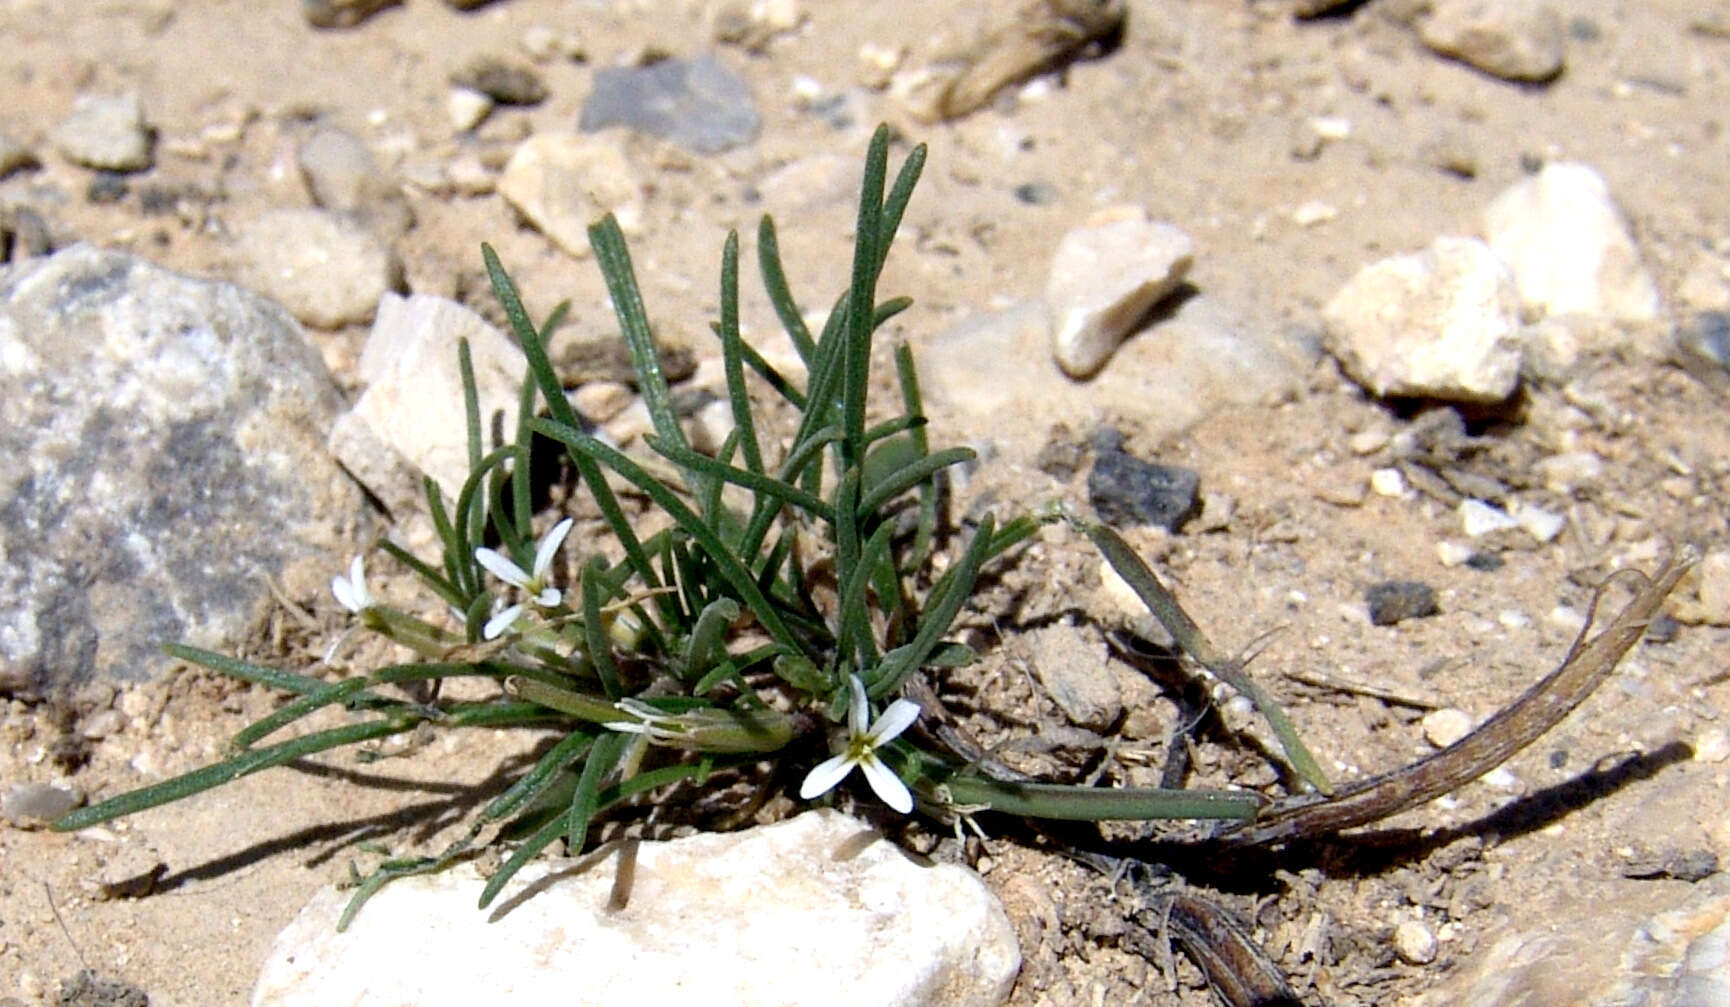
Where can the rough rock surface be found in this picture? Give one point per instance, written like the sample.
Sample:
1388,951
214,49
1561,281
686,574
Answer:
326,270
1569,246
562,182
1443,323
414,394
696,103
161,454
774,915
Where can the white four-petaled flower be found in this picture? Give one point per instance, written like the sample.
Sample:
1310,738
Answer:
350,591
533,582
862,746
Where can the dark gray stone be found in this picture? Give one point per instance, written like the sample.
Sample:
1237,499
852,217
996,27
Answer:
1125,490
161,455
1397,600
696,103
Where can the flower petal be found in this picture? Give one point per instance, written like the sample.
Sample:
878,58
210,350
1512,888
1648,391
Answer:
550,547
859,709
887,785
501,622
549,597
357,573
500,567
339,587
891,722
823,778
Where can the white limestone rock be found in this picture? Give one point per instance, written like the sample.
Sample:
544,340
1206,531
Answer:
563,182
1569,246
1104,278
414,393
1441,323
819,907
324,268
1518,40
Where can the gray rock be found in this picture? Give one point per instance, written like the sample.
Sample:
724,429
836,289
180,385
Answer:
562,182
1569,246
1074,672
33,805
1396,601
341,13
696,103
161,454
1125,490
1441,323
764,916
1512,39
14,156
501,80
343,177
106,132
327,270
414,394
1104,278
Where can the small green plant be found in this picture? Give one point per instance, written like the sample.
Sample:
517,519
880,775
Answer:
791,590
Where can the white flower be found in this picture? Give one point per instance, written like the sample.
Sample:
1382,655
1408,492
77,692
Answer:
501,622
533,583
350,591
862,746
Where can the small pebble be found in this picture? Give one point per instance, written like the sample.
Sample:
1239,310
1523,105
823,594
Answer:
1503,778
1541,524
1313,212
543,43
1125,490
1388,482
1367,442
501,80
467,108
1563,473
600,401
106,132
1414,943
1394,601
1712,746
32,805
1452,553
1036,193
1446,726
1478,518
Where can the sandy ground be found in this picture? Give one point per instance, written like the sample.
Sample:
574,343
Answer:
1194,116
